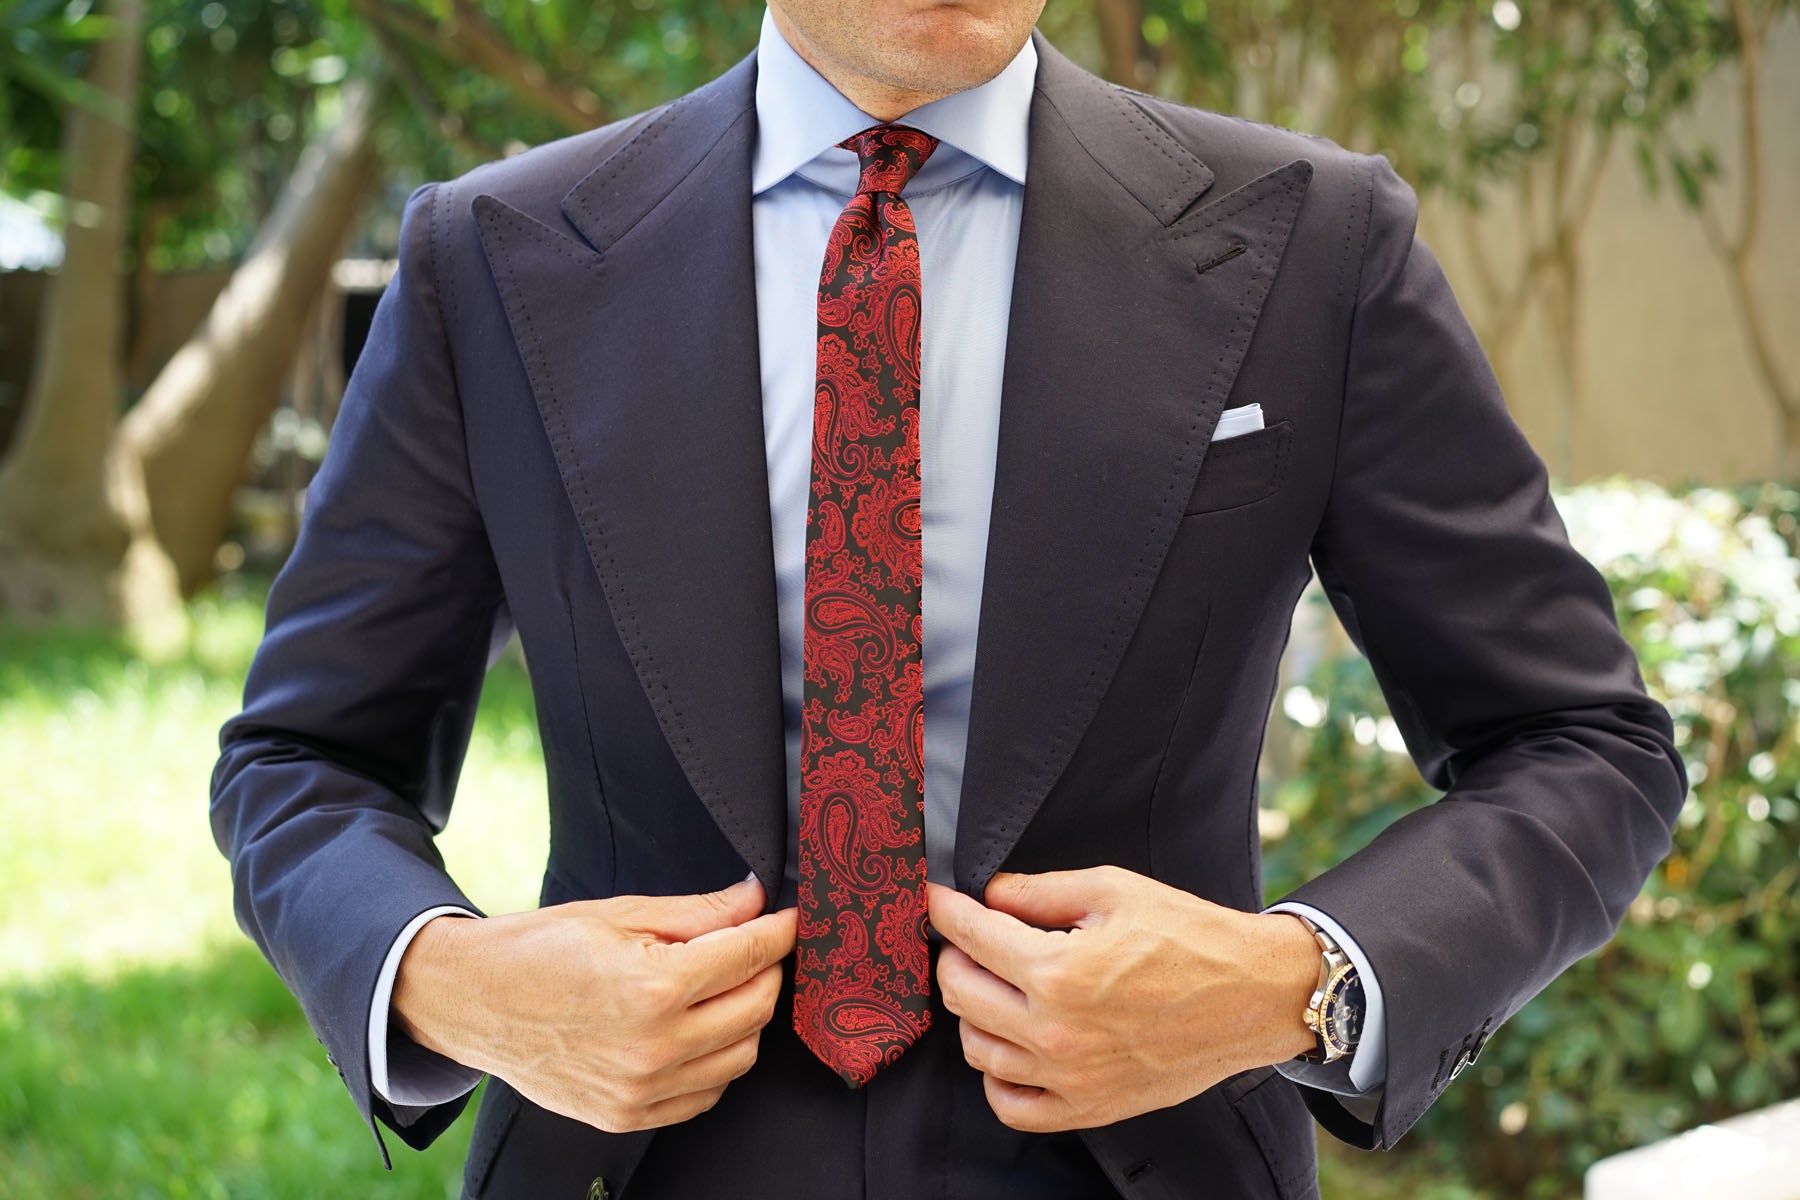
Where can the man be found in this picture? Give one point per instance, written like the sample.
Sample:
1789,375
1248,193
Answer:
1129,367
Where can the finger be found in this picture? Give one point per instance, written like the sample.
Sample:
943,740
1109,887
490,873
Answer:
730,1016
1058,899
677,1109
996,1056
719,961
980,996
709,1071
682,918
999,942
1028,1109
587,1106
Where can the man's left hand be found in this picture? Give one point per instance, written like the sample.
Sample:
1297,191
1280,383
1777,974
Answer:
1090,996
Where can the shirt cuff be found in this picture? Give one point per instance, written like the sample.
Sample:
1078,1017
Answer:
1363,1071
404,1073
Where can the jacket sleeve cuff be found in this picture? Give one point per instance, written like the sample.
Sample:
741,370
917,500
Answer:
402,1072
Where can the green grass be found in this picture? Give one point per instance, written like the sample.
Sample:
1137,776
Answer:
189,1081
146,1050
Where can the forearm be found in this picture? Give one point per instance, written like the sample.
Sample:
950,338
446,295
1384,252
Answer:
441,999
408,1076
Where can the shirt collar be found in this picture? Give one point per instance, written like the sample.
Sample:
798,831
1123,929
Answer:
800,119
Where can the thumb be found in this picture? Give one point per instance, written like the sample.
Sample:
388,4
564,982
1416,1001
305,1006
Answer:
683,918
1056,899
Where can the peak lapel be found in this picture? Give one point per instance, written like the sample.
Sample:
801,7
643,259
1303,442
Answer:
641,349
1132,310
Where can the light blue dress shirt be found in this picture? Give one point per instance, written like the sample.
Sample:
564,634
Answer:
966,203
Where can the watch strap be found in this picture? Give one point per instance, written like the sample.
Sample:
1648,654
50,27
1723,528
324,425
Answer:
1333,961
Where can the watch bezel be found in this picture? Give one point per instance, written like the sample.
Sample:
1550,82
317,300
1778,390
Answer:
1331,998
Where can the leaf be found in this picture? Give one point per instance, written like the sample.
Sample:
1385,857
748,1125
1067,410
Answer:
1648,167
1681,1020
1687,182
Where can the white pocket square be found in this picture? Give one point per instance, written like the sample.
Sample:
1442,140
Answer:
1235,422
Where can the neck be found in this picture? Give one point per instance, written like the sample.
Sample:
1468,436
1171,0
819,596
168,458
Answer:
883,101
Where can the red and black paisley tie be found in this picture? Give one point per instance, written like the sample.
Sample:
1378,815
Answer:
862,980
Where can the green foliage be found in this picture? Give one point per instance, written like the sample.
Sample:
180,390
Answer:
232,91
43,48
612,59
1693,1011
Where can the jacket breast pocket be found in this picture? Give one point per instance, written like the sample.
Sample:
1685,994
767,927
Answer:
1242,470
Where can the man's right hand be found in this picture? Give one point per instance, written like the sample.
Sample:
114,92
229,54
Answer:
628,1013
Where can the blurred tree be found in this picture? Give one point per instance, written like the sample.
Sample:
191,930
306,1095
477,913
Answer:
74,520
220,138
194,427
1740,249
103,520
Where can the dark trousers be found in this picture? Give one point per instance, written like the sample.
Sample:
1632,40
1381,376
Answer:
921,1130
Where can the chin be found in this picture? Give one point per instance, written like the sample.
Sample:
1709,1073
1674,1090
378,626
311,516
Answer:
951,47
917,45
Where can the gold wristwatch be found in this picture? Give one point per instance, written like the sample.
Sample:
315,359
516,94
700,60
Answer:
1335,1011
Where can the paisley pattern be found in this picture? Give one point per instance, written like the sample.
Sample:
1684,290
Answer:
862,976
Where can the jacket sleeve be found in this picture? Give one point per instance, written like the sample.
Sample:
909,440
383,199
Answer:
333,780
1499,653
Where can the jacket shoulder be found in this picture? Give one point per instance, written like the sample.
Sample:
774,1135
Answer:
534,181
1238,149
1349,197
631,161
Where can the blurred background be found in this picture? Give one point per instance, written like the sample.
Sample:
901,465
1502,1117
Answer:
198,208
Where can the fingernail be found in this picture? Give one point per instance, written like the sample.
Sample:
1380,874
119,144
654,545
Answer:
750,878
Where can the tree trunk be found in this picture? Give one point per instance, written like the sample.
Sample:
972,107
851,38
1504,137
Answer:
74,539
194,428
1787,465
1742,253
1122,39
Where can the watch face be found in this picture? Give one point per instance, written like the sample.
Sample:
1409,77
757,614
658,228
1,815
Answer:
1342,1011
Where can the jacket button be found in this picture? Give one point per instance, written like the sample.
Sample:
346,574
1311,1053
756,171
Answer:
597,1190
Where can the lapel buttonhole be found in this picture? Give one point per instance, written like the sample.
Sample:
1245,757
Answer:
1221,258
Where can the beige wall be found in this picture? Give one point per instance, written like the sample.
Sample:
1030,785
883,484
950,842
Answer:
1670,390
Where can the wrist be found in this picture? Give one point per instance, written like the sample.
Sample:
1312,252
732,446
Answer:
1292,973
435,998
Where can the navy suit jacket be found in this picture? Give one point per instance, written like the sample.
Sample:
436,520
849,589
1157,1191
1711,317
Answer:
556,429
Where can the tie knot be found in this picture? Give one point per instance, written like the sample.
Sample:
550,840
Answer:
890,155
